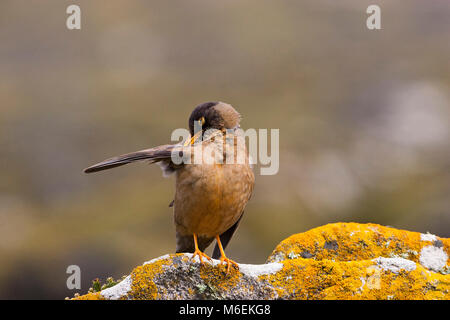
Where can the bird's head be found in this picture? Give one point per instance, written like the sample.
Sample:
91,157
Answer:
212,115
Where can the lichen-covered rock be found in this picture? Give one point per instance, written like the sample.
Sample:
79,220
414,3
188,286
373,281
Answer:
336,261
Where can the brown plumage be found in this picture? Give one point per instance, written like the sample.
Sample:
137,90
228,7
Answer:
210,196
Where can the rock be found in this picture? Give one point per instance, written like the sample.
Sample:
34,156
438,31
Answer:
335,261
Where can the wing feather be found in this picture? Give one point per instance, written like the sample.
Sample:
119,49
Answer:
156,154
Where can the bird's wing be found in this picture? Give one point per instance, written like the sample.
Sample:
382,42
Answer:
160,153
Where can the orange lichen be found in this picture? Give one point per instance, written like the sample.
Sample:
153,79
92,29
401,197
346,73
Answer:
310,279
346,250
143,286
217,275
90,296
353,241
336,261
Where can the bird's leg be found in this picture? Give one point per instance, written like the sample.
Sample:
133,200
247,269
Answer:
223,257
197,251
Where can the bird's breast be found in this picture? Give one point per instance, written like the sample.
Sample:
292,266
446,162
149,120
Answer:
210,198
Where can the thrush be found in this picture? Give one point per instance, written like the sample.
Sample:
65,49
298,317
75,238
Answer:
210,196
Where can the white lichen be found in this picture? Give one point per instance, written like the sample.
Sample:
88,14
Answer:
433,258
256,270
119,290
363,283
395,264
292,255
427,237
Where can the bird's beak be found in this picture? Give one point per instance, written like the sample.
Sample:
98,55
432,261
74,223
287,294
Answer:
192,140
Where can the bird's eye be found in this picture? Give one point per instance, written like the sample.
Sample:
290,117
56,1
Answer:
201,120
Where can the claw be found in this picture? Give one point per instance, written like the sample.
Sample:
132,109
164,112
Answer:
198,253
229,263
224,258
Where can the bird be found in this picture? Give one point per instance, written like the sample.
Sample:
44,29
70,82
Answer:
210,196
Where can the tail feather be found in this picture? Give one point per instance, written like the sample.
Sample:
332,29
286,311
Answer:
153,154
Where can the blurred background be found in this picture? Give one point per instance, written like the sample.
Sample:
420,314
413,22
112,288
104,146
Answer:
363,118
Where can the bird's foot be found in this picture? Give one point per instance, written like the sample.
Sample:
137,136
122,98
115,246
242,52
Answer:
229,263
200,255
